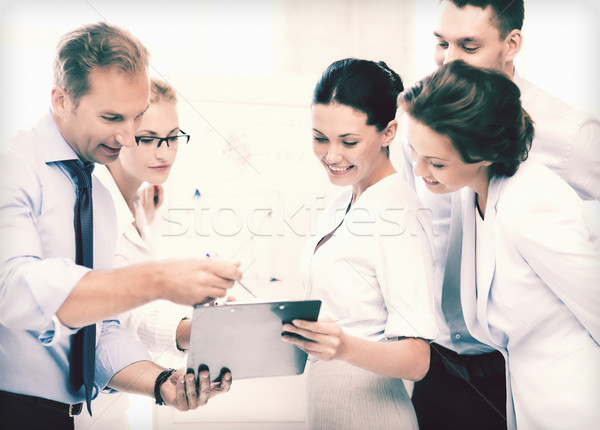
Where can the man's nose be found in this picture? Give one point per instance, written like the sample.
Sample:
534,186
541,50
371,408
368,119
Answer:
452,54
126,136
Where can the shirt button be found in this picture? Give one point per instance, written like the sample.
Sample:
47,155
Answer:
457,335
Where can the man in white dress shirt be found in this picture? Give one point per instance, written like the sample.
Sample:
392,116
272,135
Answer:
465,387
101,91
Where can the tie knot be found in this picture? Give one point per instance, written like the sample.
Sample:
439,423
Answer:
82,172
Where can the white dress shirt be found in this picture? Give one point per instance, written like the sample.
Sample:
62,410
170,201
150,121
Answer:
38,272
374,275
566,140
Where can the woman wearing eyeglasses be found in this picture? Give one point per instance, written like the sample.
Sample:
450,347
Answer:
161,325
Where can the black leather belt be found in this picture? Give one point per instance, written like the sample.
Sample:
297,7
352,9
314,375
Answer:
39,402
469,366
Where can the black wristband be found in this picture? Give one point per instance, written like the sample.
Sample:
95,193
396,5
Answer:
160,379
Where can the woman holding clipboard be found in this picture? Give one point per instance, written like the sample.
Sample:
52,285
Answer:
370,262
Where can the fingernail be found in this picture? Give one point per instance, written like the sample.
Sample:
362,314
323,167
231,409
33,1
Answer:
190,377
204,375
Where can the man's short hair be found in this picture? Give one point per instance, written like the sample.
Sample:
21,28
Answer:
96,45
508,14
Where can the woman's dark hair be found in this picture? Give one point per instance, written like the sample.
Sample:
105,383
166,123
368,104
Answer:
364,85
479,110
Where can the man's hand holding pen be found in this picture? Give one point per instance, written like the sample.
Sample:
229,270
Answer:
194,280
229,298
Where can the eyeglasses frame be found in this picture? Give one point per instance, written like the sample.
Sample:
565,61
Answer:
162,139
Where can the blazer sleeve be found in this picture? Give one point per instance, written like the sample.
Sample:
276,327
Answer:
559,240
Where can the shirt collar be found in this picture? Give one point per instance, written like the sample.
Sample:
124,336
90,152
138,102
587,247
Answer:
54,146
517,79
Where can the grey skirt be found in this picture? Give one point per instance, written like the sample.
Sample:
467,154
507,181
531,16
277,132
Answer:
342,396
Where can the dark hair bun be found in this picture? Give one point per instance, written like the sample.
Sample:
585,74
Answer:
363,85
396,79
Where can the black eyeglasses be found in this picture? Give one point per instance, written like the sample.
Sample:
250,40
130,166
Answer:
154,141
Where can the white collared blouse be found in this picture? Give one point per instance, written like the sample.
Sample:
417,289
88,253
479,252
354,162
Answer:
374,276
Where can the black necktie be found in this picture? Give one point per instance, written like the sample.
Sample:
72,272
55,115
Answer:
83,343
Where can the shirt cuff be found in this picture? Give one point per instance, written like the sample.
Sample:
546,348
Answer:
411,325
52,281
54,334
115,351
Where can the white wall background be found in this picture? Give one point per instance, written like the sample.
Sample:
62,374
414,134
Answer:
245,71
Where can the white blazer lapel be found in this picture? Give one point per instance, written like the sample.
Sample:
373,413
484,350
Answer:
468,280
486,266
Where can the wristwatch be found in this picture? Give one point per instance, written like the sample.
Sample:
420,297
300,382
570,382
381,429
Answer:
161,379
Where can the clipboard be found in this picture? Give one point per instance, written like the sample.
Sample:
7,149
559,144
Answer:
246,338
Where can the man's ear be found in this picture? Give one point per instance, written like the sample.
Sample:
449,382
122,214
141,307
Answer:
60,101
390,132
514,42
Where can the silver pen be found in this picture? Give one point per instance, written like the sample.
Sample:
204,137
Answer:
247,289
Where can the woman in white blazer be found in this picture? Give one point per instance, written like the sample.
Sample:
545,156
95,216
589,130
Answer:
530,275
